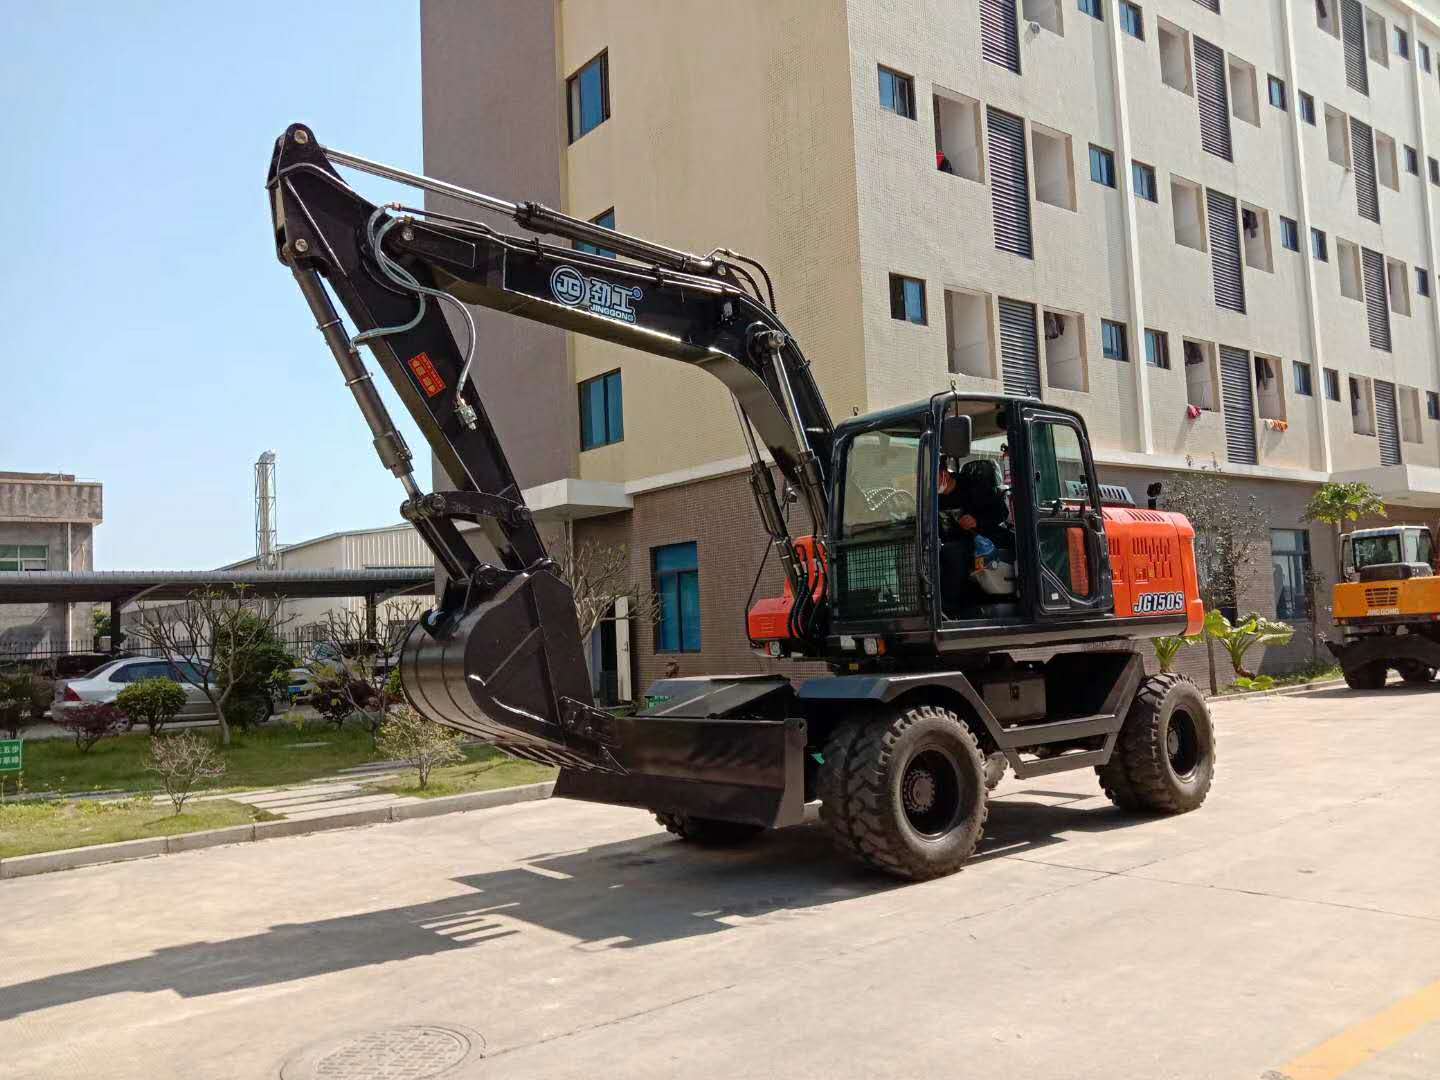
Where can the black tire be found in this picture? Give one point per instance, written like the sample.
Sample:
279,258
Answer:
709,832
1416,673
1164,759
905,793
1369,676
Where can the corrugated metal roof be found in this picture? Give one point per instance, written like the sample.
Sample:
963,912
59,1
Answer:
58,587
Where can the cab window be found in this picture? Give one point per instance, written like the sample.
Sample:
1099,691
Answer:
1059,464
880,481
1374,550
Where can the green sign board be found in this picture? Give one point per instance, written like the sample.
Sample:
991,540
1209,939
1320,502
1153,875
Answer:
11,754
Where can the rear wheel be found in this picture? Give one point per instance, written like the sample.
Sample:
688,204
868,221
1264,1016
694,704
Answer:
709,832
1416,673
1369,676
906,792
1164,759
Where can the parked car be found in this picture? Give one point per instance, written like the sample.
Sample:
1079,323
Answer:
103,683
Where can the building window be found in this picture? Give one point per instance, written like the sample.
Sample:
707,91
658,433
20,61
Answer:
1200,374
1307,108
24,557
1422,281
1187,205
1142,179
1304,385
1362,412
1244,97
1175,68
1270,397
605,221
957,136
1131,21
1318,245
1064,350
1432,405
1398,282
676,569
589,93
897,93
1054,178
1412,161
1332,384
1289,234
1102,166
1277,93
602,413
1157,349
1375,39
1290,563
1425,58
1112,341
1337,137
1402,44
907,299
1092,8
1255,226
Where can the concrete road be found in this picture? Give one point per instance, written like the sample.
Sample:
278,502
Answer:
1289,928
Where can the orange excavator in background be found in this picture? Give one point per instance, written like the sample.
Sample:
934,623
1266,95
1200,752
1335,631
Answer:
942,537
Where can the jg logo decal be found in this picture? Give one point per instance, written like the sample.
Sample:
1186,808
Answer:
1153,603
574,289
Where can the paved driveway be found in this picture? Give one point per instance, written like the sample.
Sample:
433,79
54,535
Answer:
1293,925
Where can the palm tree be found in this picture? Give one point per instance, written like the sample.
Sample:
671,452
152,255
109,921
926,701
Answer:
1336,504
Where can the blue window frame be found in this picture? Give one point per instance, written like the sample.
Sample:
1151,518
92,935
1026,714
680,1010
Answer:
676,569
1131,21
1277,93
1425,57
1318,245
1303,383
1332,384
1092,8
1112,341
602,412
1412,161
907,299
1307,108
605,221
1102,166
1157,348
588,92
1432,405
897,93
1422,281
1142,179
1289,234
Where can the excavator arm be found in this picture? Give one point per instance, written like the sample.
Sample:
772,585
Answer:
500,656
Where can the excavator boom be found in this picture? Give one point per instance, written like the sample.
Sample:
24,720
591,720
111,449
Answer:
510,626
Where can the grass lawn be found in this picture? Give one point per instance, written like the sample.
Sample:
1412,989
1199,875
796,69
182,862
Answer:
274,755
27,828
486,770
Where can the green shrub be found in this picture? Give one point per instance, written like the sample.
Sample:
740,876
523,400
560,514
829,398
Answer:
152,702
1239,638
91,722
423,744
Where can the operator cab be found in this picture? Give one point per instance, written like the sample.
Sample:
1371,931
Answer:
1408,549
965,512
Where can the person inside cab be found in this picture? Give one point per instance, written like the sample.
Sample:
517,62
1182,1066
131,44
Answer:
977,540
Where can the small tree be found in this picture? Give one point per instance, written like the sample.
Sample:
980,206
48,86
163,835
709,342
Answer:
598,575
183,762
1229,530
1338,505
230,647
91,722
100,622
152,702
1239,638
423,744
360,683
15,712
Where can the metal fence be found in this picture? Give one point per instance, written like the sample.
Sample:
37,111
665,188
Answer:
47,655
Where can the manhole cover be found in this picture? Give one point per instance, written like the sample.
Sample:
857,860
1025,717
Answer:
400,1053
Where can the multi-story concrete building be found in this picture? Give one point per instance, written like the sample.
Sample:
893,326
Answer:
47,522
1207,225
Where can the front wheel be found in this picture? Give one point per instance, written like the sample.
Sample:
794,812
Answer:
905,793
1164,759
1369,676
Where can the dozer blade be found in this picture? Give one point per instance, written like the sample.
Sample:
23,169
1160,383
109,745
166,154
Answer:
511,671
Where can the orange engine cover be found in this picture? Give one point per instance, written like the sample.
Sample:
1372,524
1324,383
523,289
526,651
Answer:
769,619
1152,558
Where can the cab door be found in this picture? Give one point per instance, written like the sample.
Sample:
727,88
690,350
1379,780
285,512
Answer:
1070,560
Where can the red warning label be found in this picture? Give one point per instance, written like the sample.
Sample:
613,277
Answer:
424,369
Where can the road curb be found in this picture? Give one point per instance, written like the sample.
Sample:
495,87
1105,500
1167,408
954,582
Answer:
1279,691
72,858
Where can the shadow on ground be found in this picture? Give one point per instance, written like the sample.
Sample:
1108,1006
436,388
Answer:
628,894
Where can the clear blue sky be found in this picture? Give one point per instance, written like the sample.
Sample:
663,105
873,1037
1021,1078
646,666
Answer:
150,339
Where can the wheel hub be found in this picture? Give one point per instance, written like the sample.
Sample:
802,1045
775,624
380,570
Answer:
919,791
932,792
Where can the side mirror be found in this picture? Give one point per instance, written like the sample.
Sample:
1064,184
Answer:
955,437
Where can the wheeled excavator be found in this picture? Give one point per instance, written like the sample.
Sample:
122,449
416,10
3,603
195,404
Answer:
941,538
1387,606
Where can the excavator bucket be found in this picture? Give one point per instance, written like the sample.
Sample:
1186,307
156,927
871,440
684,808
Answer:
510,670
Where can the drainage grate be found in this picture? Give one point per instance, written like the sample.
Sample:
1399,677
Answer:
401,1053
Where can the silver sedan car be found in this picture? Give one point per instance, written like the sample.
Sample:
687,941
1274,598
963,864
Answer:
106,681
